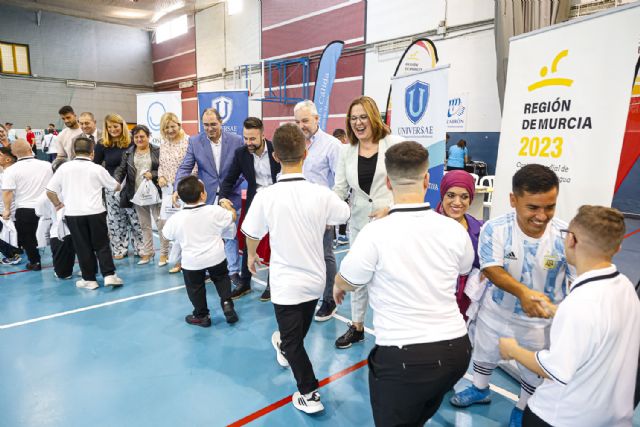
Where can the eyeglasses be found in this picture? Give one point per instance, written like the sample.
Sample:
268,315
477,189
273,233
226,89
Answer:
363,118
565,232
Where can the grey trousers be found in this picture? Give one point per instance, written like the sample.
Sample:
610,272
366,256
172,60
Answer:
330,262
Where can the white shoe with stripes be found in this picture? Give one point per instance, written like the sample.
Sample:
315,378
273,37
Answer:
275,341
307,403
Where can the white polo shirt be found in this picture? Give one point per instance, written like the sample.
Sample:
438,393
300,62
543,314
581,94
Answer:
79,183
27,178
295,213
410,261
593,357
199,229
13,203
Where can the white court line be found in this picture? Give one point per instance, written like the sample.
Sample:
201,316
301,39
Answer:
499,390
91,307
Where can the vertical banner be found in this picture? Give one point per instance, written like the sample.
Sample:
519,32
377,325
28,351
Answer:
233,106
566,111
421,103
324,80
421,55
151,106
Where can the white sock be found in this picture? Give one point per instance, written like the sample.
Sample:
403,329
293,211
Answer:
482,374
524,396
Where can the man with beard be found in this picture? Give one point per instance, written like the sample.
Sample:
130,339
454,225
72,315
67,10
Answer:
255,162
66,137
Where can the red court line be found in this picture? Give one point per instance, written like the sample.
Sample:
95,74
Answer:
632,233
280,403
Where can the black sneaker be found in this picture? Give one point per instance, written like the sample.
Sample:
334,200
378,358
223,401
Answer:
229,313
34,267
352,336
204,321
326,311
235,279
266,295
240,290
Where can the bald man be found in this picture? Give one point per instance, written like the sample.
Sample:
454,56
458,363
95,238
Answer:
24,183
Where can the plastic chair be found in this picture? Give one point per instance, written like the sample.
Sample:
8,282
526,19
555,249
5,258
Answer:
487,181
476,178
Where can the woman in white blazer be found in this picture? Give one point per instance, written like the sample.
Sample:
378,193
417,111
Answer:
361,169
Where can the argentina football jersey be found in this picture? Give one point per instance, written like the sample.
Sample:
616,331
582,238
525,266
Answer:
540,264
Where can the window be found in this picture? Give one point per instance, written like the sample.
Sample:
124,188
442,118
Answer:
14,58
171,29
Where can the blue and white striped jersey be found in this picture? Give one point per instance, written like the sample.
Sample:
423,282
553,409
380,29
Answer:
540,264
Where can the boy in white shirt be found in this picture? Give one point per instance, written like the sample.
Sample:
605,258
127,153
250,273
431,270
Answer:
590,366
295,213
199,229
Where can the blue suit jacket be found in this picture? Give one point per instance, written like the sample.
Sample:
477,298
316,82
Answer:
199,152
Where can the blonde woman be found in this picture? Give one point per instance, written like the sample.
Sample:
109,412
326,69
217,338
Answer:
172,150
122,219
361,169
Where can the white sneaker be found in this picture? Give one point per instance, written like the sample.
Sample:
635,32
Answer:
275,341
87,284
307,403
113,280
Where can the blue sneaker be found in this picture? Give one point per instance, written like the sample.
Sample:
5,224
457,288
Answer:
470,396
12,261
343,240
516,418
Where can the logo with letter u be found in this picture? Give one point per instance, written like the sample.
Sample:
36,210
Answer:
224,106
416,99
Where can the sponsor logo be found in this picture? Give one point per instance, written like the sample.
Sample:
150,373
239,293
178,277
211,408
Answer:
416,100
552,80
224,106
154,114
511,256
550,262
456,108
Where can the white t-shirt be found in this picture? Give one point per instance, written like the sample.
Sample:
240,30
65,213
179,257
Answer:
593,357
13,204
65,142
295,213
27,178
199,230
50,141
410,262
79,183
540,264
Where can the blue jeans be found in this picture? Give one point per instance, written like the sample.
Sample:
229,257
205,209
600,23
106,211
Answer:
231,251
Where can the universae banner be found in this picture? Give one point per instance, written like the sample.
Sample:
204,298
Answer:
419,56
152,105
421,103
233,106
325,78
566,111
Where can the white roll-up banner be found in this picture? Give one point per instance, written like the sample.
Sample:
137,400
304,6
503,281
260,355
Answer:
151,107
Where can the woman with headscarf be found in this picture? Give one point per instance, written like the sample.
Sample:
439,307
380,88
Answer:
457,190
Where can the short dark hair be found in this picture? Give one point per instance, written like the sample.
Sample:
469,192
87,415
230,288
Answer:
190,188
82,145
462,143
535,179
66,110
139,128
214,111
289,143
339,133
253,123
51,124
406,160
57,163
8,124
7,152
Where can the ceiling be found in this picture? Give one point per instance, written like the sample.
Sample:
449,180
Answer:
137,13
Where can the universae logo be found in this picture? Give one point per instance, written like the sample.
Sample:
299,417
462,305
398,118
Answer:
416,100
224,106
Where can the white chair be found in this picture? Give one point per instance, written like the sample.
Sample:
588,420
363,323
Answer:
487,181
476,178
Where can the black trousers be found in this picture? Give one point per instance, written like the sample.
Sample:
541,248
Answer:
194,282
294,322
91,240
529,419
26,226
64,256
406,385
6,249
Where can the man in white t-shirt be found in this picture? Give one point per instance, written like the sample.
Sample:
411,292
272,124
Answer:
72,129
410,262
80,183
24,182
295,213
590,366
522,255
11,254
11,132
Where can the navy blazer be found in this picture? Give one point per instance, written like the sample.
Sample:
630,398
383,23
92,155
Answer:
199,152
242,164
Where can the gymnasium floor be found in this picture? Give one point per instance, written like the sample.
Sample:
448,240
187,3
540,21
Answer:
125,357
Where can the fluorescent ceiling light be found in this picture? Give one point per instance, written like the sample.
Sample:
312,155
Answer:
235,6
